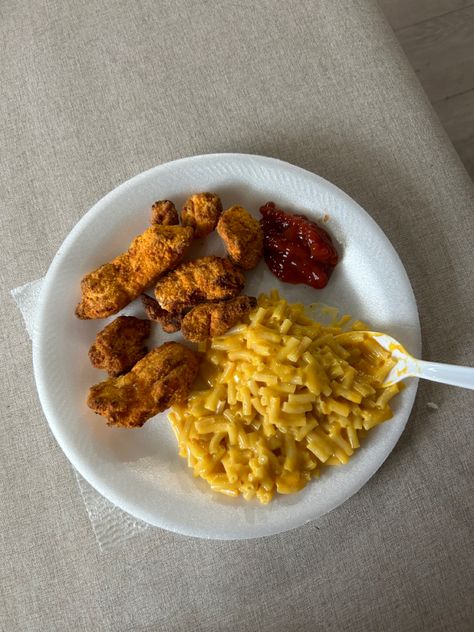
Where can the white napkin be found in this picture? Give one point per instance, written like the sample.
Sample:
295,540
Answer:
110,524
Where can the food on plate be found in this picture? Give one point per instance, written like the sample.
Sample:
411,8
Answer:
296,249
111,287
164,212
119,346
214,319
201,211
280,396
169,321
242,236
160,379
198,281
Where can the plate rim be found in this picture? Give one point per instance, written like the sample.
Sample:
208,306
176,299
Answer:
104,489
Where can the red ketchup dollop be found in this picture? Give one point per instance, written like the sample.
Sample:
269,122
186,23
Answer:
296,249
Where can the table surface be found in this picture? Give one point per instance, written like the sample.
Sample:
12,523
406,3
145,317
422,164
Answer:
93,93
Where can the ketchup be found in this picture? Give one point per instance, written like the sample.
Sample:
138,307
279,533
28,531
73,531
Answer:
296,249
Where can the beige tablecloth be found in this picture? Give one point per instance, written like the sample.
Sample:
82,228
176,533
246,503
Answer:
92,93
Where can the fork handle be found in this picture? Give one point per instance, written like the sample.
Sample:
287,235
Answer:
446,373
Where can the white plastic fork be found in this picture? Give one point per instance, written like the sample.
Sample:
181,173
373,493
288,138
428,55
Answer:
408,366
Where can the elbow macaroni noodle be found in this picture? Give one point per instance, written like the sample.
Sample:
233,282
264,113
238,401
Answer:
282,395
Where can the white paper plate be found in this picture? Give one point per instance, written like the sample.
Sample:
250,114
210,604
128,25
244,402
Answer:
139,470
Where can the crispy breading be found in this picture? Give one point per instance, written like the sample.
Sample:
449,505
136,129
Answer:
201,211
164,213
159,380
214,319
119,346
194,282
111,287
169,321
242,236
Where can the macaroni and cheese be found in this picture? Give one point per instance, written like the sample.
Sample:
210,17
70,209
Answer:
281,395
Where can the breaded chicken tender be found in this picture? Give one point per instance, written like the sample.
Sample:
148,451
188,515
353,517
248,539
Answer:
111,287
169,321
214,319
194,282
159,380
201,211
119,346
164,213
242,236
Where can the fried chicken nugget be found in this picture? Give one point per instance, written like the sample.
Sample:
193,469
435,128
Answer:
242,236
169,321
214,319
164,213
159,380
111,287
199,281
120,345
201,211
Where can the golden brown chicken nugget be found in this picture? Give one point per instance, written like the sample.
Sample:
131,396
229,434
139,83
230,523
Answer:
201,211
164,213
242,236
214,319
111,287
169,321
119,346
159,380
199,281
